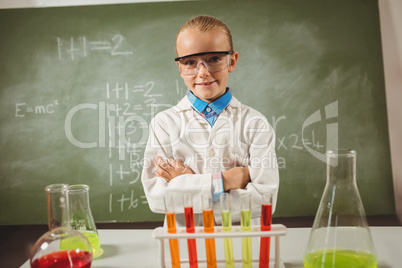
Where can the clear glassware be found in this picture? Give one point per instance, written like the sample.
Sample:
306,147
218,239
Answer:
227,228
81,218
209,227
266,222
190,228
171,225
57,200
245,222
60,247
340,236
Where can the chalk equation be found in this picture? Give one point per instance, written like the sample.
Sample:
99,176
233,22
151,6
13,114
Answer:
126,124
128,173
126,91
22,108
81,47
126,202
293,141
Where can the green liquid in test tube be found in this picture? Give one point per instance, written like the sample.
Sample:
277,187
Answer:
245,222
227,228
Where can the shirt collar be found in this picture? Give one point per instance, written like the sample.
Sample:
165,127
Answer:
218,105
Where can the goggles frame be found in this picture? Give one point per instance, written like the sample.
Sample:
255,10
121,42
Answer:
226,53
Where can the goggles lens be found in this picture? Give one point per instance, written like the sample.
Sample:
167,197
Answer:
213,61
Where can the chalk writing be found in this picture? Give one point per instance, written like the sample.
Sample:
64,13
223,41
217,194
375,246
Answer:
293,141
124,90
126,202
124,174
22,109
128,109
81,47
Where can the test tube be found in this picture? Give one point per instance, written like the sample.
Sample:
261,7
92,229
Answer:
245,222
208,217
171,223
266,220
189,218
227,228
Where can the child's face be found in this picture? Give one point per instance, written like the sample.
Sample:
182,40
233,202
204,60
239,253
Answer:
205,85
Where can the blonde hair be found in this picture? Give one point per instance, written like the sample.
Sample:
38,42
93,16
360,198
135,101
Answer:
205,23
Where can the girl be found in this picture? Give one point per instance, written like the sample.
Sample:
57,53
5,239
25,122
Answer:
209,142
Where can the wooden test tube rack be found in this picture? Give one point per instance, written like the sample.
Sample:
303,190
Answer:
160,233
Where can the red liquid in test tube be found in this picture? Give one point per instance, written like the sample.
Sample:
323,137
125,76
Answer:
266,221
189,218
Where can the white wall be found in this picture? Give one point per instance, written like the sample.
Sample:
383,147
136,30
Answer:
56,3
391,30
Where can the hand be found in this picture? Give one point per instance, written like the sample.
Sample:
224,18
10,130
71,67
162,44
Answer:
235,178
170,169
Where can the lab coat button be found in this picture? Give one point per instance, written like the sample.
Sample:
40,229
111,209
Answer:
211,152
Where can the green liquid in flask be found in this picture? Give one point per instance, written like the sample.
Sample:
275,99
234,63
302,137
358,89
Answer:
93,239
339,258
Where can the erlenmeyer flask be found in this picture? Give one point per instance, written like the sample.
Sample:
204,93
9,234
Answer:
60,246
340,236
81,216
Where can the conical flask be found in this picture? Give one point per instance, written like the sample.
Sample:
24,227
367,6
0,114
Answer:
340,236
81,218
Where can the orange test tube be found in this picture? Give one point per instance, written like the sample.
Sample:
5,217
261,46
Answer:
171,223
208,217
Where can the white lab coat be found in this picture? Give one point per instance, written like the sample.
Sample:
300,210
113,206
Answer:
241,136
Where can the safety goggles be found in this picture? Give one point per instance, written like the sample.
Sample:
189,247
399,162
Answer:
214,62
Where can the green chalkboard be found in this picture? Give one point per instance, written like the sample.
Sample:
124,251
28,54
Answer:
76,83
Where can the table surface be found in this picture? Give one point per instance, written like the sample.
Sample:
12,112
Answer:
137,248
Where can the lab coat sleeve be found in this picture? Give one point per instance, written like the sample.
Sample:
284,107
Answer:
263,168
160,143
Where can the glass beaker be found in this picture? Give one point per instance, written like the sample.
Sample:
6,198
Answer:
60,246
81,216
340,236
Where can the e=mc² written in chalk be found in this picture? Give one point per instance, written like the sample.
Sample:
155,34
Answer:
22,108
